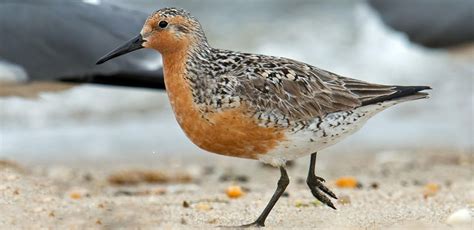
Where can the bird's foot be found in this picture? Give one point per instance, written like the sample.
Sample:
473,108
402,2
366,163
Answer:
316,185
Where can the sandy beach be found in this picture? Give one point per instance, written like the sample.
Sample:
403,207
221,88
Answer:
396,190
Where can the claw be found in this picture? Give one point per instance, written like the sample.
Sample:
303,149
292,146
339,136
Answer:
315,182
326,190
321,197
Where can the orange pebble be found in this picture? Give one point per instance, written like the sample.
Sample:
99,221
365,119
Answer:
234,191
430,189
75,195
346,182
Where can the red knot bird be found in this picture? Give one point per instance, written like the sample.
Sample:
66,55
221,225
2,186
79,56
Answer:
259,107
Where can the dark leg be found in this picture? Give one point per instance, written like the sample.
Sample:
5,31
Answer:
315,183
282,183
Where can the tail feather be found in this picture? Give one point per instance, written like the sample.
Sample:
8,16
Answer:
402,93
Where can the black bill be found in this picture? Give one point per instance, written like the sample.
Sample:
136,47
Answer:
132,45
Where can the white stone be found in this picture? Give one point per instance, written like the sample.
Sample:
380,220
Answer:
461,216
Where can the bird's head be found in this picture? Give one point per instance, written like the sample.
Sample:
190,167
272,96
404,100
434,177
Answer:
168,30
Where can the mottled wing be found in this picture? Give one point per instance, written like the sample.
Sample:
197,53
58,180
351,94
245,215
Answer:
299,92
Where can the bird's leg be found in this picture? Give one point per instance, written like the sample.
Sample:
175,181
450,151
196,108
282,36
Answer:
316,185
282,184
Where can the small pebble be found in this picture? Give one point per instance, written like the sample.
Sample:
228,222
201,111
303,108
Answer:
430,190
234,191
347,182
78,193
461,216
374,185
75,195
300,203
185,204
203,207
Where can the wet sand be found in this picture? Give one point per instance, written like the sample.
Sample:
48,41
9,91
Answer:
397,190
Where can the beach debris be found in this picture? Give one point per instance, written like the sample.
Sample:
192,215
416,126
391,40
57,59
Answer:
461,216
374,185
203,207
185,204
347,182
316,203
132,177
234,191
75,195
430,190
98,222
78,193
344,199
300,204
285,194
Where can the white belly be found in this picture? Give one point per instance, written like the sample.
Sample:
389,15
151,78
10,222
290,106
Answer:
320,134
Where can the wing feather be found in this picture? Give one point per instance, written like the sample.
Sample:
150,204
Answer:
299,92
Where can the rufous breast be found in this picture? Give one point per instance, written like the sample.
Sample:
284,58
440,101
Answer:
230,132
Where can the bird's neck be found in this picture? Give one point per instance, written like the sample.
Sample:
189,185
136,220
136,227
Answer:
182,69
187,61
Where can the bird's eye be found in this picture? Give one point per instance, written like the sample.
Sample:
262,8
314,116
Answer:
163,24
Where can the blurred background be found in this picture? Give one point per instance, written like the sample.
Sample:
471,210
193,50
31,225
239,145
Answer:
42,42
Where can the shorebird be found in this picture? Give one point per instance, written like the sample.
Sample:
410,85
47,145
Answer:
259,107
